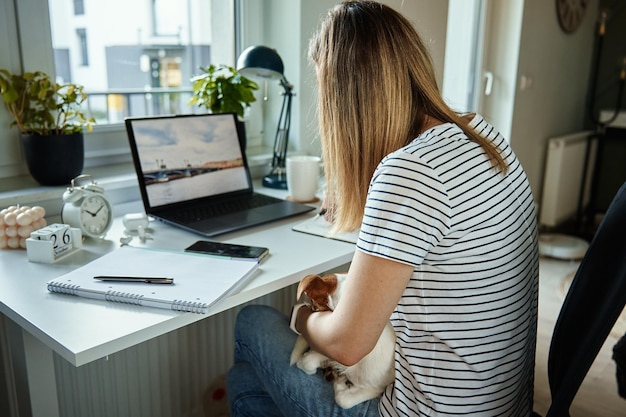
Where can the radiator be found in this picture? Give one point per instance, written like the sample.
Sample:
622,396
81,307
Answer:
563,174
163,377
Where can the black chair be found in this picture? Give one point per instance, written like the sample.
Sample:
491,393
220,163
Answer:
592,305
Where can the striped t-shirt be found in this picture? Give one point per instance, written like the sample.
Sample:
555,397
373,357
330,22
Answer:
466,324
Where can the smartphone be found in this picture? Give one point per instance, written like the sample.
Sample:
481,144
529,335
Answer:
229,250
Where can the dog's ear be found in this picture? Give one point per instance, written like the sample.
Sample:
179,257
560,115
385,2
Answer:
304,283
317,289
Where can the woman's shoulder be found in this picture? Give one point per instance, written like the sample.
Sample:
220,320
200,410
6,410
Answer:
444,141
435,139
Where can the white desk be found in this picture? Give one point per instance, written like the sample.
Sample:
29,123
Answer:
83,330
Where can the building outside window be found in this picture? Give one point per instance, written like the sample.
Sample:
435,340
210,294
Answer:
140,61
167,18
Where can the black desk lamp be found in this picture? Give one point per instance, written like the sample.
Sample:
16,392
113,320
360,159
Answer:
265,62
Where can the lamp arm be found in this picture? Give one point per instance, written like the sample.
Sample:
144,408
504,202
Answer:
286,85
282,158
281,140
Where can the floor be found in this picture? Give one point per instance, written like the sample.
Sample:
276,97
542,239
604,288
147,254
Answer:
597,396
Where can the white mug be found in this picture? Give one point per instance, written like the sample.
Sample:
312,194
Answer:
303,174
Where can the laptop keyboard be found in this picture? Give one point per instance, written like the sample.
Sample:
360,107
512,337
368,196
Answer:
194,214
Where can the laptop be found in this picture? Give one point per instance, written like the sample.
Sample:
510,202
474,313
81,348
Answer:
193,174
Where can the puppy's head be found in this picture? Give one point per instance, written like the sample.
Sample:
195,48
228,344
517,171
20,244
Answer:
320,290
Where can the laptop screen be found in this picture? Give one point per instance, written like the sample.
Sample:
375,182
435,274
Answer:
184,158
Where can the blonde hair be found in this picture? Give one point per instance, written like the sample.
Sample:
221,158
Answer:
376,85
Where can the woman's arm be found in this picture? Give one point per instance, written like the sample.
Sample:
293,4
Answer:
371,292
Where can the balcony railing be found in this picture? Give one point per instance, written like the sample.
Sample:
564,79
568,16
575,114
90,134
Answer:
113,105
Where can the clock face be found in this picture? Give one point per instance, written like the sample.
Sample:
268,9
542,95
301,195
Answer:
95,215
571,13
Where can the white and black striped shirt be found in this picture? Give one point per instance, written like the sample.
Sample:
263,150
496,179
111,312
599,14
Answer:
466,324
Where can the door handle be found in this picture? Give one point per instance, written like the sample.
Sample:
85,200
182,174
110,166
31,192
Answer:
488,82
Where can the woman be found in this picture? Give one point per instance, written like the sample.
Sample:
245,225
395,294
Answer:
447,248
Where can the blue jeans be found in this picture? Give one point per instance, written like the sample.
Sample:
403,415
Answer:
262,383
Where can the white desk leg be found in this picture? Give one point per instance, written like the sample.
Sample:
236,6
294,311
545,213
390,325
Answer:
41,377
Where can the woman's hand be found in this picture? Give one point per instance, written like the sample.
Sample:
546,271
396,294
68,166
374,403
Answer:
369,296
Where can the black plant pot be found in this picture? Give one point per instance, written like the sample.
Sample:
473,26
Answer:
55,159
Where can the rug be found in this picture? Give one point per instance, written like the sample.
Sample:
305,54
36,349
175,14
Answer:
619,329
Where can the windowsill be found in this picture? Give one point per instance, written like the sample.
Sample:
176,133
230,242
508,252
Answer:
119,182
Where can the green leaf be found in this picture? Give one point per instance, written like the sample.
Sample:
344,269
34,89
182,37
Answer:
39,105
220,89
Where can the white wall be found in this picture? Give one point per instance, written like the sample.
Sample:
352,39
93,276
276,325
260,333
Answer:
559,65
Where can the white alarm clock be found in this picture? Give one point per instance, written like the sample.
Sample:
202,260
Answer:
86,207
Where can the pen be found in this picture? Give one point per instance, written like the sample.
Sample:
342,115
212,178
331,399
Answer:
147,280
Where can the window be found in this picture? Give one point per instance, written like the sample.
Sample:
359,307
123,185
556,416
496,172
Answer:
82,47
131,71
140,62
79,7
461,82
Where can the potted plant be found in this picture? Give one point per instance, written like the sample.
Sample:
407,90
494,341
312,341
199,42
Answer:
222,89
50,122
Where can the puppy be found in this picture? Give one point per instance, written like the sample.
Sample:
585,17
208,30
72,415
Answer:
362,381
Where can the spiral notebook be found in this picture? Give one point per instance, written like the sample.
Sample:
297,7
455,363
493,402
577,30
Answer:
200,281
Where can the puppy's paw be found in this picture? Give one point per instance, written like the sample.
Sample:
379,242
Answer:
329,373
298,350
348,395
342,384
307,365
311,361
